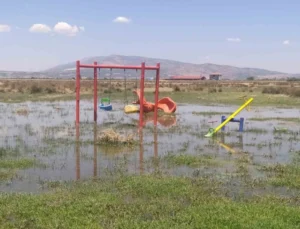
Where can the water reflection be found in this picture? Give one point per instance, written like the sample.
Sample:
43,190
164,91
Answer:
95,149
141,155
165,120
113,150
228,147
77,153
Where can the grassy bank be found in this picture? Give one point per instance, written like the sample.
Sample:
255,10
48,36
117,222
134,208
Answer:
203,98
151,201
265,93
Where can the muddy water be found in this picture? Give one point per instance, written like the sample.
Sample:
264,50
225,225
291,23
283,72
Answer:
47,132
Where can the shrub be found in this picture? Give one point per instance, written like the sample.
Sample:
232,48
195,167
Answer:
35,89
295,93
50,90
176,88
274,90
212,90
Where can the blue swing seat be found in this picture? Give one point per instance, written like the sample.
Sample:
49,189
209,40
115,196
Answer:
106,107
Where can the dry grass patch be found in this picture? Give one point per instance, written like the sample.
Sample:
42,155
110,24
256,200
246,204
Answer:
111,137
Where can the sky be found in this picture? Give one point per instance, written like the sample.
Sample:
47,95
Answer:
36,35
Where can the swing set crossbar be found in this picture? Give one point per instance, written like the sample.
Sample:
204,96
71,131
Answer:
132,67
96,66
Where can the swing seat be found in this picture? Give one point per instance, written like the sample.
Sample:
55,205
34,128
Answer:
106,107
103,106
129,109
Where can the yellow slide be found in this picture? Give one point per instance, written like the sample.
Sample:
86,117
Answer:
212,131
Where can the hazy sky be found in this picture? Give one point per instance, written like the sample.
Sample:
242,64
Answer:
35,34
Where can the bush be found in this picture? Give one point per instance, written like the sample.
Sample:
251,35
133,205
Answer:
50,90
212,90
198,88
35,89
295,93
274,90
107,91
177,88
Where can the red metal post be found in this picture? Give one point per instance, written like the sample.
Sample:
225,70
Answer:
77,90
142,85
95,92
156,93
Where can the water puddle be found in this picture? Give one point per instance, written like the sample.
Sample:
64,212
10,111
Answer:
45,132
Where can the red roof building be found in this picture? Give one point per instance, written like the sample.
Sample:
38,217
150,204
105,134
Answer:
187,78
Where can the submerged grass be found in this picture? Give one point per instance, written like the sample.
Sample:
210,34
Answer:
10,167
17,163
210,113
191,160
148,201
297,120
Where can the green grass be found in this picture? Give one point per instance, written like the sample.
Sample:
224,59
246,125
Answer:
10,167
230,96
144,202
233,97
283,175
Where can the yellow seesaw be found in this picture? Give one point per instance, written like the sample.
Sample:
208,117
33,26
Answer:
212,131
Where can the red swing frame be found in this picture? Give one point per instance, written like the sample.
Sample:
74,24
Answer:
95,66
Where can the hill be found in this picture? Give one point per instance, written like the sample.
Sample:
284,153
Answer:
168,68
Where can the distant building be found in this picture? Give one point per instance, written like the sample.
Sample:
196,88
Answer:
187,78
215,76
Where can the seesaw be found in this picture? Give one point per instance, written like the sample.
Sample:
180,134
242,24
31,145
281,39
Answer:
212,131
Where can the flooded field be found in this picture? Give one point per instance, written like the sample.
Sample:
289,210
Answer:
39,146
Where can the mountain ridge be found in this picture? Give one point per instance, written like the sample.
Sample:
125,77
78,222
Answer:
168,68
172,67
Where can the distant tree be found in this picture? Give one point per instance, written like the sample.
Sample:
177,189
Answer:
250,78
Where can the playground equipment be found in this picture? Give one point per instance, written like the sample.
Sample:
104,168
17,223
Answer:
106,107
95,66
166,104
212,131
129,109
240,121
105,102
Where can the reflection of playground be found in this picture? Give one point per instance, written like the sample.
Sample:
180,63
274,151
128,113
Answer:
109,151
229,148
165,120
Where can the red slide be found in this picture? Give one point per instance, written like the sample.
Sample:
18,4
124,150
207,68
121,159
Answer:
166,104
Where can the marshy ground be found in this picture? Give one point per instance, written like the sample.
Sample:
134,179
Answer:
109,175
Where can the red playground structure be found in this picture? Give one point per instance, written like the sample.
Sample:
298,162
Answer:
95,66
